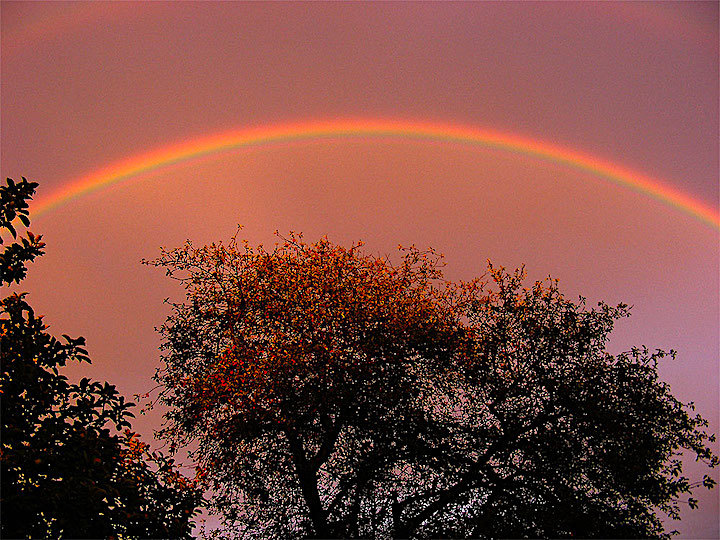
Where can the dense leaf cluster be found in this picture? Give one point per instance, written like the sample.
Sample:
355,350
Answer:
299,347
332,393
14,206
66,469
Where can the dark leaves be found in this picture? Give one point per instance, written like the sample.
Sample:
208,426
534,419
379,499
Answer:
66,471
334,393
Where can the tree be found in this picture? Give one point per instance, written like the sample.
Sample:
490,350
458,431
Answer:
64,472
333,393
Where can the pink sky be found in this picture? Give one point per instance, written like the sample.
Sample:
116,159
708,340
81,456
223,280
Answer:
86,84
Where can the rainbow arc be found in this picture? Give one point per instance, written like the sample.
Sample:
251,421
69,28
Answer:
186,151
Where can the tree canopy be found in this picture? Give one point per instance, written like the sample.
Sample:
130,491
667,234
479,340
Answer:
67,470
333,393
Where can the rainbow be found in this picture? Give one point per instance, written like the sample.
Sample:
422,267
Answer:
352,129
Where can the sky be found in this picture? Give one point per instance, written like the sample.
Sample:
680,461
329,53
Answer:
89,88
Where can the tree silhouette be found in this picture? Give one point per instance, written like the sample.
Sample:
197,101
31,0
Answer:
331,393
64,472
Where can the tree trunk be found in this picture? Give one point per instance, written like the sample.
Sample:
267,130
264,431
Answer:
308,483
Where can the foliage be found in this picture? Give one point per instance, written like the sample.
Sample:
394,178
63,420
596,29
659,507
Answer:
64,473
14,205
333,393
280,354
